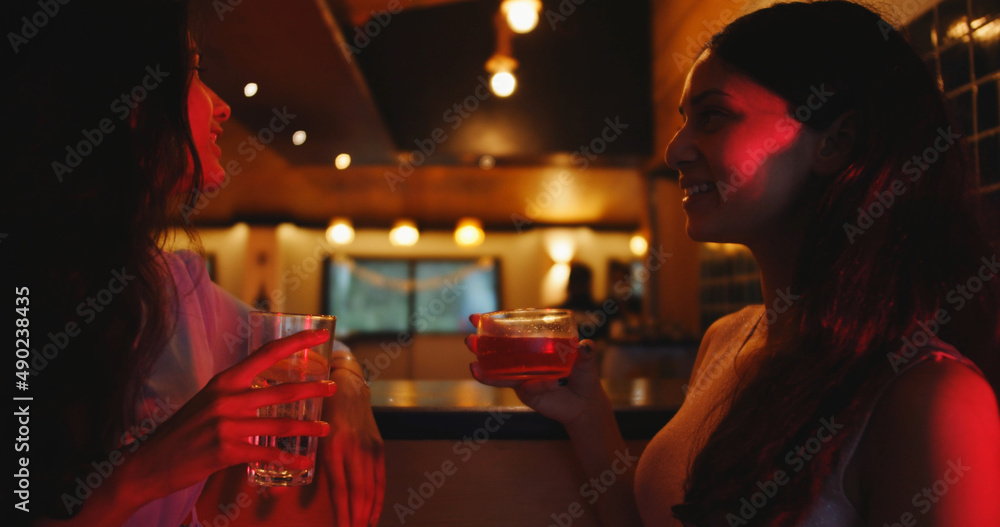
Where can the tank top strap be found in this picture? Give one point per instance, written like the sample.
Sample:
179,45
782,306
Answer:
934,350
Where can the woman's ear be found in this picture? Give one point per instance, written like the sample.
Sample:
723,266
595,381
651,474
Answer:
836,145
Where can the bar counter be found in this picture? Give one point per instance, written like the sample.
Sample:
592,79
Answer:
418,410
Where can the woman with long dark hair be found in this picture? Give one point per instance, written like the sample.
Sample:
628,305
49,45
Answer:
139,384
860,392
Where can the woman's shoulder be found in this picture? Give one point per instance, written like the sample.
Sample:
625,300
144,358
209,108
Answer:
932,419
932,396
734,325
188,271
724,330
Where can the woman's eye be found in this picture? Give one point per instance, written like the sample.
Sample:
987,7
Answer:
710,118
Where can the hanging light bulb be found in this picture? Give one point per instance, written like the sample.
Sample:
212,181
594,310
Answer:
342,161
469,232
340,231
404,233
522,15
502,82
638,245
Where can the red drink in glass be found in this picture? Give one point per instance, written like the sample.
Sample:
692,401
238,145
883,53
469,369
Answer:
526,357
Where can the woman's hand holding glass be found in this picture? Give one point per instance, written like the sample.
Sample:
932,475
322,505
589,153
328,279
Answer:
211,431
564,400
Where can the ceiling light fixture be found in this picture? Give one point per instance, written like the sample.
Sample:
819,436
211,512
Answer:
299,137
342,161
502,82
340,231
469,232
404,233
250,89
522,15
638,245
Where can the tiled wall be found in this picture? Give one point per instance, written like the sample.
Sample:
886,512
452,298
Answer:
960,42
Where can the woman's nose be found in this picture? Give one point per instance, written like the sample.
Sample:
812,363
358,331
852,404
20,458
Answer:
220,108
681,149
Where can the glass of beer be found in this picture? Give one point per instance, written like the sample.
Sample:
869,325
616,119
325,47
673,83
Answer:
310,364
527,343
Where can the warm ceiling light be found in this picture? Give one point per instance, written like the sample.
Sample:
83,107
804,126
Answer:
342,161
487,162
250,89
503,83
469,232
404,233
638,245
561,245
299,137
522,15
340,231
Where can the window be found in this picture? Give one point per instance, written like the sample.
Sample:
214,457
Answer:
411,296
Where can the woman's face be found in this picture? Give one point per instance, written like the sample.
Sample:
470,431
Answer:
206,113
743,159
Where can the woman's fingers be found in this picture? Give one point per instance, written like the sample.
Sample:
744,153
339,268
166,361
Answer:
286,393
470,342
474,318
477,373
244,371
274,457
280,427
340,489
538,386
359,483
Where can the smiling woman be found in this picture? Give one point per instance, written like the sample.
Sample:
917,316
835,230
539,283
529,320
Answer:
799,118
148,394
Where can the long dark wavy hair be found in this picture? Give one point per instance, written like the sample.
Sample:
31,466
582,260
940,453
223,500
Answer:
860,293
86,212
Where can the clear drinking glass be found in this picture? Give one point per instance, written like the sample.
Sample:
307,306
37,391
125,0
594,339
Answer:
310,364
527,343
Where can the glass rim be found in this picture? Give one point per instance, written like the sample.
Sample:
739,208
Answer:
276,314
549,311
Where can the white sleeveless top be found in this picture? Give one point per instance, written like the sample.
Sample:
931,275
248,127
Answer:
662,468
206,340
